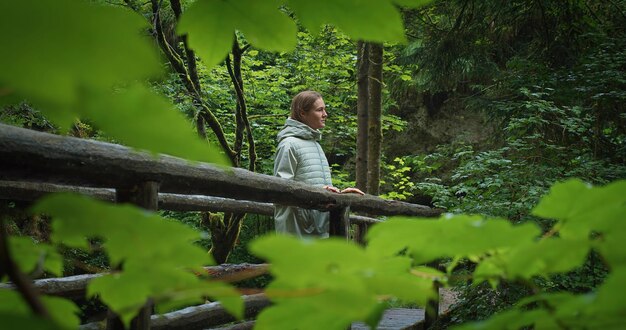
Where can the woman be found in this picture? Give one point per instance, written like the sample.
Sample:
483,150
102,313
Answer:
300,157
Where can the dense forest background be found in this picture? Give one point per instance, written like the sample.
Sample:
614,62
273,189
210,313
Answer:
485,106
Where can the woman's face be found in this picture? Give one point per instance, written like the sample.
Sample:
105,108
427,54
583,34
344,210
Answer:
316,117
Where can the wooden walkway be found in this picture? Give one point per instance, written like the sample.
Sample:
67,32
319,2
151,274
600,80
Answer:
395,319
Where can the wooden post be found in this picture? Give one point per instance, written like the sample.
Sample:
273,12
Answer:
340,222
432,308
145,195
360,232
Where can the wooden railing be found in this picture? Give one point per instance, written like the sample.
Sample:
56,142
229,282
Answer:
33,164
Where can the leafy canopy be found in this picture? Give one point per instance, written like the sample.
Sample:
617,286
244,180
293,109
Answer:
211,24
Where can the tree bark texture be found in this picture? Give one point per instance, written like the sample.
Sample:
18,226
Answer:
224,230
362,113
375,133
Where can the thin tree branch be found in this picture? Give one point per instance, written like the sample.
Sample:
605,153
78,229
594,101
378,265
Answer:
459,19
593,13
23,285
238,92
205,115
234,71
193,75
208,116
172,56
190,54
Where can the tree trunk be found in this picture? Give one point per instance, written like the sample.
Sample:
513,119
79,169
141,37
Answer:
361,106
224,233
375,133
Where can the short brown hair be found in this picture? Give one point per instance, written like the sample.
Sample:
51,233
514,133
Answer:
303,102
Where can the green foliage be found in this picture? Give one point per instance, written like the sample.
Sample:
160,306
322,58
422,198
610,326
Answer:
211,26
15,313
77,218
401,182
348,283
603,309
85,58
372,21
71,62
554,99
411,3
460,236
542,132
502,252
23,115
34,256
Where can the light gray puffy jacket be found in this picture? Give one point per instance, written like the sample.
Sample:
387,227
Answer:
300,157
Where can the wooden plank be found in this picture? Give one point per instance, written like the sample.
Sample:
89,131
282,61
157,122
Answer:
432,307
340,222
395,319
36,156
246,325
142,194
360,231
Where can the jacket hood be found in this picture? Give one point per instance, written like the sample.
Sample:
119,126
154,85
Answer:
300,130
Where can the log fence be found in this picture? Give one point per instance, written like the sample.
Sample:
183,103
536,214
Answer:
33,164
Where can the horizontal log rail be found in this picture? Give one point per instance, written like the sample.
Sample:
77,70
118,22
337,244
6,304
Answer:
207,315
73,287
36,156
31,191
198,317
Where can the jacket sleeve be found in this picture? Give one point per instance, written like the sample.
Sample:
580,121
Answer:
285,162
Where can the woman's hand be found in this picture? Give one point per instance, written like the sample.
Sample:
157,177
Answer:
352,191
345,191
